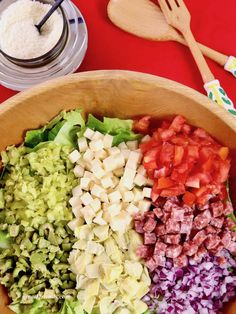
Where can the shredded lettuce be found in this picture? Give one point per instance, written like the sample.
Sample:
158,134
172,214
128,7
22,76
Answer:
37,307
61,130
120,129
5,240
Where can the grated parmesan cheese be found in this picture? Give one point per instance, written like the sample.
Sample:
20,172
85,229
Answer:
19,38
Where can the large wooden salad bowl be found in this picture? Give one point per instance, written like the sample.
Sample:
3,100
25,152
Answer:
117,94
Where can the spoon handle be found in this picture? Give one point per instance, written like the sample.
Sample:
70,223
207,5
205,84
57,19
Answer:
50,12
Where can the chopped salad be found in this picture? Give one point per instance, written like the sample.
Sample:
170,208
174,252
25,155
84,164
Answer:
103,216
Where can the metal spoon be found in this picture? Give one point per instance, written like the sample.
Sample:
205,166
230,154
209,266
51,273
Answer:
50,12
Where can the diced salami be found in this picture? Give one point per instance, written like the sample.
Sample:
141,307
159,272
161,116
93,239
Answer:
187,209
185,227
217,209
217,222
172,226
210,229
228,208
173,251
190,248
158,212
165,217
169,204
172,238
150,225
233,236
232,247
149,238
144,251
160,230
138,225
202,220
228,223
200,237
151,264
177,214
218,249
200,253
160,249
226,238
160,260
212,241
180,261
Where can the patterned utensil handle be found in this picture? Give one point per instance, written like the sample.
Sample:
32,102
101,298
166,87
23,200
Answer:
230,65
217,94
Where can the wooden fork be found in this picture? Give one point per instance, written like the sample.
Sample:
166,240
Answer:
178,16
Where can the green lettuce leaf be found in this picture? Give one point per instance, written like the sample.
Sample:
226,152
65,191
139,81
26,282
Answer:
37,307
121,130
5,240
71,307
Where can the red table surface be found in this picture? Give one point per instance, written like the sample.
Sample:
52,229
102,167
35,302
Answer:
213,23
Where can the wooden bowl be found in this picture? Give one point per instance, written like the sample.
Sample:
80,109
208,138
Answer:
116,94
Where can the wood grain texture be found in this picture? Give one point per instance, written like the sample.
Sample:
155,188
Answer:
121,94
144,19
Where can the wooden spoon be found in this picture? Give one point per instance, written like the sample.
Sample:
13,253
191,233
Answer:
144,19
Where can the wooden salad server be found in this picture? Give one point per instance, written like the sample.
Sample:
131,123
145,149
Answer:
144,19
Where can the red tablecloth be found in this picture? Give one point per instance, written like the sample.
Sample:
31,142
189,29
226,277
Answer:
213,23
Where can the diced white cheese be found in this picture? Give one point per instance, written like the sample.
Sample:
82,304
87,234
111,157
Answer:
88,174
121,222
147,192
128,197
99,220
86,199
113,150
96,145
101,154
78,171
76,211
119,172
122,146
94,248
96,204
133,160
114,209
132,145
85,183
140,179
146,138
88,214
132,209
98,172
76,191
88,155
97,136
115,181
125,153
97,190
74,156
93,271
144,205
75,201
107,141
115,197
73,224
82,144
142,170
128,177
138,195
113,162
107,182
89,133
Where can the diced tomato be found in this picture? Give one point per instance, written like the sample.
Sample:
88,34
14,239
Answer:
189,198
174,191
201,133
177,123
180,140
146,146
164,183
193,182
223,152
167,153
165,124
166,135
207,165
179,154
222,171
179,176
193,152
205,153
162,172
186,129
142,125
155,191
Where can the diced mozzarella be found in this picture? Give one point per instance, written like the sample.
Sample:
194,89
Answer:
97,190
101,154
121,222
107,182
96,204
88,155
96,145
88,174
107,141
142,170
73,224
114,209
75,201
125,153
140,179
133,160
138,195
115,181
99,220
88,213
132,145
85,183
146,138
97,136
128,177
86,199
119,172
89,133
82,144
74,156
144,205
122,146
113,162
147,192
78,171
76,191
76,211
132,209
115,197
113,150
128,196
98,172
